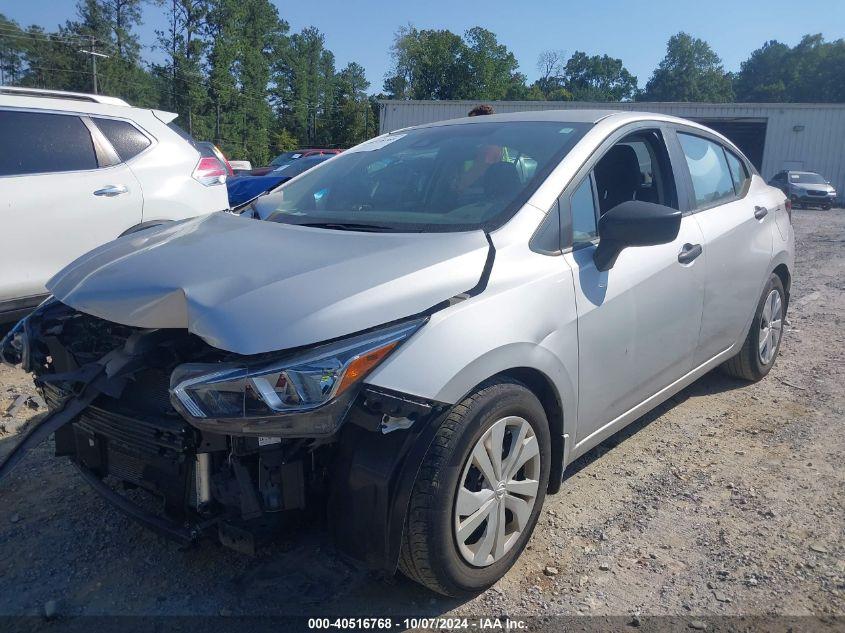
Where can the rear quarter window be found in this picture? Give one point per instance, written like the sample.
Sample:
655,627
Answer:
127,140
739,173
37,143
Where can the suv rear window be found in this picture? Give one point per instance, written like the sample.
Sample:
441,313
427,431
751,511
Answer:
127,140
36,143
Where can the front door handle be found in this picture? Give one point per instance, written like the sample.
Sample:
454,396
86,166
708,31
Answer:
689,252
760,212
111,191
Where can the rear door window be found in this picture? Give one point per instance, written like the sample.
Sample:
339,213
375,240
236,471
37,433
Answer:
37,143
708,167
127,140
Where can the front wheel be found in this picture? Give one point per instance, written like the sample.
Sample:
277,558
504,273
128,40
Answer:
760,349
479,491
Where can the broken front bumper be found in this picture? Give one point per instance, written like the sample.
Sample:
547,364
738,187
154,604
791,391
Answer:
113,418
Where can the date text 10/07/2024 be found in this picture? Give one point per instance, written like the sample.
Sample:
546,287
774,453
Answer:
445,624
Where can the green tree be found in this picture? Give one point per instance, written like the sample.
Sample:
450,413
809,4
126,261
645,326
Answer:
439,64
51,60
110,27
767,74
184,90
262,33
428,64
220,31
598,78
303,81
818,70
11,51
690,71
351,120
490,66
811,71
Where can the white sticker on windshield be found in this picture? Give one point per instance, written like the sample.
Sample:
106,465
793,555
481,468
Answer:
296,155
376,143
266,441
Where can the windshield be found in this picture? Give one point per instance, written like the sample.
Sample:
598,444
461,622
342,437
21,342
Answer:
283,159
294,168
444,178
806,178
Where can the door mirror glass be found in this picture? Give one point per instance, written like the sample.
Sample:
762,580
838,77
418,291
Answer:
634,223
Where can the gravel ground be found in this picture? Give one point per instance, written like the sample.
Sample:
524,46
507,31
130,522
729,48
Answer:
728,499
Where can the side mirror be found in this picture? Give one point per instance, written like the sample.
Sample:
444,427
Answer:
634,223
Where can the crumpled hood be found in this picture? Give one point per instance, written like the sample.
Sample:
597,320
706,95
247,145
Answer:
250,286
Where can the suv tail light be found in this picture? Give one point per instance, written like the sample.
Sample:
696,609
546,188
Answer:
210,171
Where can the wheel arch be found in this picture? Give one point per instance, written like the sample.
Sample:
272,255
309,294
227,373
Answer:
782,271
543,387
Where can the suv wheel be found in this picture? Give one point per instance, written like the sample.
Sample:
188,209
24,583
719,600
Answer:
479,491
762,344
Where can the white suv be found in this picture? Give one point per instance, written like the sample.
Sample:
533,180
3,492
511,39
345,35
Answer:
79,170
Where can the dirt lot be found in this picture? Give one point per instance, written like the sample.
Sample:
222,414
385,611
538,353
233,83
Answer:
729,499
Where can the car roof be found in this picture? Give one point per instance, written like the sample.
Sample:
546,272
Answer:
563,116
74,102
568,115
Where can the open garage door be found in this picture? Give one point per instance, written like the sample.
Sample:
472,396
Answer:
749,135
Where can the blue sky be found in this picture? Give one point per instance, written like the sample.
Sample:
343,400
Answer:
635,30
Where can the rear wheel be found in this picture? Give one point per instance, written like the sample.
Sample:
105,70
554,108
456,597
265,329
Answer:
479,491
760,349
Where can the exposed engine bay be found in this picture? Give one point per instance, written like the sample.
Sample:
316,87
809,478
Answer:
109,390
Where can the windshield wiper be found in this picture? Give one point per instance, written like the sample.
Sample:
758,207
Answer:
348,226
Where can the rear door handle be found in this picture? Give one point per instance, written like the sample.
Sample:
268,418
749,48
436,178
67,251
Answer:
689,252
760,212
111,191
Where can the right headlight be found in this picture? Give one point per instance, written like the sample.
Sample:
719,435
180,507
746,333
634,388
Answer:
300,395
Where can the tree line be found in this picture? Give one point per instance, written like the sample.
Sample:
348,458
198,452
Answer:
237,75
231,69
439,64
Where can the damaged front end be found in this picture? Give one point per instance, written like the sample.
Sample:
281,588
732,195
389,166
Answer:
232,446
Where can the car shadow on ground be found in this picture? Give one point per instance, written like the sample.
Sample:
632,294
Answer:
302,565
711,383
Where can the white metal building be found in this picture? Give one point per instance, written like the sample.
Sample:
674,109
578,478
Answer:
774,136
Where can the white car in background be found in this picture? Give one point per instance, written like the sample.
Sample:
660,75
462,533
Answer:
79,170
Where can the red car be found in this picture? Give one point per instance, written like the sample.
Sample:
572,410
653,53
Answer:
288,157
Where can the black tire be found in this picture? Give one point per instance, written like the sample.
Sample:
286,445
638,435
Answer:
430,553
747,364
